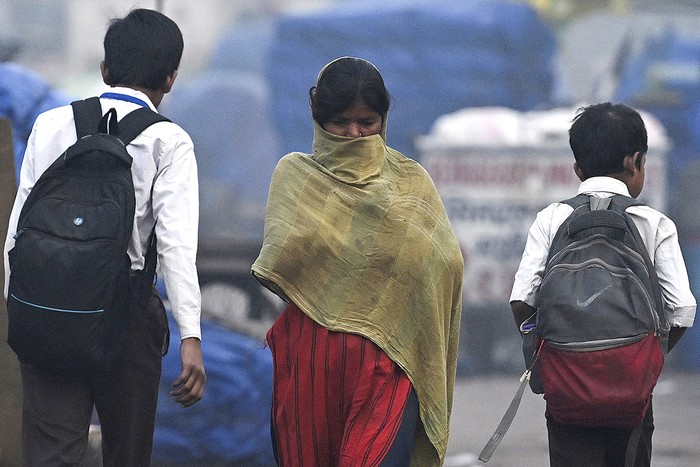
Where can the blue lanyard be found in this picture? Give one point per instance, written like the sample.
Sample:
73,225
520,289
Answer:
124,97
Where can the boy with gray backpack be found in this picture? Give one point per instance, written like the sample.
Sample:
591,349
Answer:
603,292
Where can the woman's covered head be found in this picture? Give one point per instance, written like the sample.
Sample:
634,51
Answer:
345,82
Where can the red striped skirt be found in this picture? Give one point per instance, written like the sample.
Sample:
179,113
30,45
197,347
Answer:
338,399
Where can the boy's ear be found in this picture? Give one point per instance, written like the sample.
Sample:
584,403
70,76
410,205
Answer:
169,81
105,73
630,163
579,172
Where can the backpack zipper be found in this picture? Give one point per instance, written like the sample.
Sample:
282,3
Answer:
581,244
600,344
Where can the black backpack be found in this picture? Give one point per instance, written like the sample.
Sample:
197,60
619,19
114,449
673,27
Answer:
70,295
600,318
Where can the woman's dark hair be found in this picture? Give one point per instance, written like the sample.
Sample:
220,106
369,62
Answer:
602,135
342,83
142,49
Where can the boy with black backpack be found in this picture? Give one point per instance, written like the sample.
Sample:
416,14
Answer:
85,320
603,289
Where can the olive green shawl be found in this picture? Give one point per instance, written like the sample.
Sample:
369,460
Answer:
357,237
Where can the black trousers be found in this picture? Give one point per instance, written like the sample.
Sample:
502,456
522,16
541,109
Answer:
57,410
580,446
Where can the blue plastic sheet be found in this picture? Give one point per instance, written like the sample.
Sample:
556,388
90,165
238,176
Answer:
435,57
231,424
23,96
688,348
227,115
662,79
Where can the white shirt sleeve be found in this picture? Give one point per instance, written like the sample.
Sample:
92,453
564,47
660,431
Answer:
679,302
176,211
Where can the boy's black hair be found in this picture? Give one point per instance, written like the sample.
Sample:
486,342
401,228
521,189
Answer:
342,83
142,49
602,135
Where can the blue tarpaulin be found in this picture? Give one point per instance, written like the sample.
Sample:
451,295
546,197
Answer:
231,424
435,56
227,115
23,96
250,105
663,79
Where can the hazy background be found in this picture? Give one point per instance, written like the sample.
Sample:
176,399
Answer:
482,98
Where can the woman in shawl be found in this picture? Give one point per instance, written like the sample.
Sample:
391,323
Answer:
358,244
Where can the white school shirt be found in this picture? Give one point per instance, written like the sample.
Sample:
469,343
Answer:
658,233
164,171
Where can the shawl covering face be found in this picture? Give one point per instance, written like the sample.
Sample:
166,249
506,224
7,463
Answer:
357,237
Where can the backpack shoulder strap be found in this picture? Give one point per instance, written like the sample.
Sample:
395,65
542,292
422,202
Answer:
621,203
577,201
561,236
624,202
507,420
87,114
130,127
135,122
